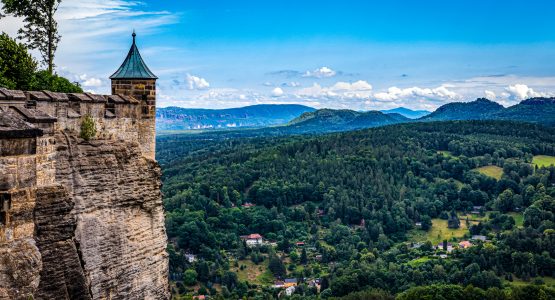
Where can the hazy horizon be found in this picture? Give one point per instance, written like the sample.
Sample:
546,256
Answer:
349,54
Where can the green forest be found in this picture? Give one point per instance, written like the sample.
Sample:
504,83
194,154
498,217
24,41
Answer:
441,210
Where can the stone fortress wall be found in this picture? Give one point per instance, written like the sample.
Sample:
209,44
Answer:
78,219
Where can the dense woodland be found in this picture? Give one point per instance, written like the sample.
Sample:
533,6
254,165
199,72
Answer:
354,200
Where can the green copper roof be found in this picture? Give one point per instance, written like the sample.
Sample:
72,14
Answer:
133,67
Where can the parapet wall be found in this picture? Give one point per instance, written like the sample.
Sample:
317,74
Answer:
115,116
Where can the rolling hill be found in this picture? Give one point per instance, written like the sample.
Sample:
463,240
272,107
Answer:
177,118
535,110
475,110
341,120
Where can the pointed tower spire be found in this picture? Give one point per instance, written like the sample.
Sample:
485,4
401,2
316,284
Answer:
134,78
133,67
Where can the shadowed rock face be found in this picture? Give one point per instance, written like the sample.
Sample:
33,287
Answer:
78,219
120,219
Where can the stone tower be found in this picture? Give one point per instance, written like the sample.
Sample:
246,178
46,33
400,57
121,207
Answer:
134,78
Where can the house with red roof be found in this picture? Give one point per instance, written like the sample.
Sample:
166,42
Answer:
253,239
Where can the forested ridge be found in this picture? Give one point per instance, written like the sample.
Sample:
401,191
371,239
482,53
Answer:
349,210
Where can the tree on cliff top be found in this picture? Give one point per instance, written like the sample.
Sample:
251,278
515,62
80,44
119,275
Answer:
40,31
18,70
17,67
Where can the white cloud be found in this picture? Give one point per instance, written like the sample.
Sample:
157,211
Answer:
441,93
277,92
357,90
92,82
196,83
323,72
490,95
522,92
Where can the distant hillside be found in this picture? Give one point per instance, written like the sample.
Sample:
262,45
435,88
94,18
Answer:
340,120
535,110
475,110
409,113
177,118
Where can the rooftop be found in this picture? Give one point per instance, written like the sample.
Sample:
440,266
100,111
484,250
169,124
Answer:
133,67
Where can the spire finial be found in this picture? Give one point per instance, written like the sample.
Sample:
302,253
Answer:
134,35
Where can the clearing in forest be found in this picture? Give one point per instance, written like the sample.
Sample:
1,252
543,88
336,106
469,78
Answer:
543,160
491,171
439,232
254,273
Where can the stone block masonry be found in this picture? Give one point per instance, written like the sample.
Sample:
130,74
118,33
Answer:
145,91
78,219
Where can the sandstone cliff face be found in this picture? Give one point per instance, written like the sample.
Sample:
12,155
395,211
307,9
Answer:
78,220
119,219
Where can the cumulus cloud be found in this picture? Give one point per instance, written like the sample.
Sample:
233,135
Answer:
196,83
344,90
277,92
441,93
490,95
92,82
522,92
323,72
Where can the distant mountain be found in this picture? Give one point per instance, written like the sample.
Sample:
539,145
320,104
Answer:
326,120
177,118
409,113
535,110
476,110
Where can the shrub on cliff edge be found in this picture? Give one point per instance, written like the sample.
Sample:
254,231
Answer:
88,128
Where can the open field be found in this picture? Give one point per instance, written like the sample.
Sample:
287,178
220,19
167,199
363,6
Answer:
446,153
253,273
548,281
519,218
491,171
418,261
543,160
438,232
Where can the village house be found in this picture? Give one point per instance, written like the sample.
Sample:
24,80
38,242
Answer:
253,239
479,238
465,244
476,210
289,291
289,282
191,258
299,244
279,284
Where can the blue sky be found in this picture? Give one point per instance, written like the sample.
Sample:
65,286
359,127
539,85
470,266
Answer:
342,54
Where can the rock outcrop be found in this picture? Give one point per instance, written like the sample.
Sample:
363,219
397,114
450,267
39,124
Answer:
78,219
